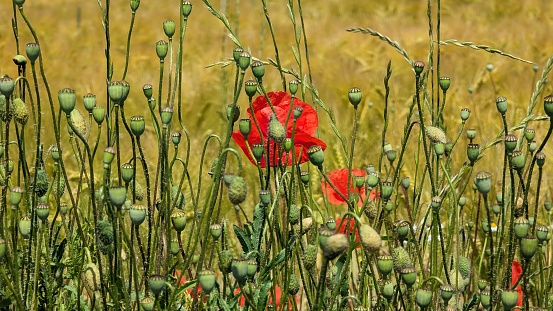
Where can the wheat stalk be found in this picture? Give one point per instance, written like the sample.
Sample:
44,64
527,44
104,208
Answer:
382,37
483,48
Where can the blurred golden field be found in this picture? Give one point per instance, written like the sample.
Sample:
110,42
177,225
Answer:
73,42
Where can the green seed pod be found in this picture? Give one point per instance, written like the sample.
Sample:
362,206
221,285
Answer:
147,303
216,230
265,197
391,155
174,248
252,268
401,228
509,299
528,247
334,246
386,146
117,195
518,160
373,178
237,190
233,113
547,206
79,123
542,234
389,206
67,99
496,209
161,49
16,194
137,213
294,214
324,234
287,144
471,134
116,91
33,51
355,96
186,8
473,151
418,66
42,182
529,134
138,125
98,114
240,269
444,82
510,142
532,146
423,297
465,114
298,110
435,134
175,138
462,201
147,89
304,177
207,280
359,181
63,208
521,227
258,150
293,285
89,101
293,86
250,88
485,299
60,189
400,259
245,127
105,232
331,224
42,211
134,5
408,276
166,116
388,290
501,104
156,284
127,172
540,158
20,113
485,226
236,54
370,239
439,149
385,264
7,86
405,182
258,70
178,219
276,129
369,168
244,60
169,28
547,105
25,226
387,190
436,203
446,292
310,256
316,155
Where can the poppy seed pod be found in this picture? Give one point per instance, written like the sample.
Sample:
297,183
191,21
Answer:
408,276
25,226
471,134
169,28
42,211
387,190
258,150
245,127
156,283
509,299
423,298
137,213
175,138
252,268
297,112
465,114
518,160
258,70
359,180
444,82
98,114
236,53
446,292
166,116
540,158
521,227
138,125
16,194
405,182
216,230
239,269
548,105
388,291
147,89
109,154
251,88
288,144
439,149
542,233
161,49
529,134
147,303
89,101
510,142
127,172
244,60
418,66
485,298
304,177
67,100
483,181
19,60
33,51
293,86
178,219
186,9
473,151
117,195
355,96
501,104
134,5
385,264
528,247
316,156
206,278
391,155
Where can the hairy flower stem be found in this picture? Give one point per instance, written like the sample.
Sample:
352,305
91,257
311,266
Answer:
149,202
491,272
423,133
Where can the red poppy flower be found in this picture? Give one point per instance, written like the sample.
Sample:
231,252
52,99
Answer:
516,271
306,127
339,178
181,280
342,228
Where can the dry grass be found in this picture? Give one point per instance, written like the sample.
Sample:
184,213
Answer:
73,51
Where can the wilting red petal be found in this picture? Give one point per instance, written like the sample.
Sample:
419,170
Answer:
306,127
344,224
516,271
339,178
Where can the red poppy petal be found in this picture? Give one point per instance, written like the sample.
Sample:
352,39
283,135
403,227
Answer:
339,178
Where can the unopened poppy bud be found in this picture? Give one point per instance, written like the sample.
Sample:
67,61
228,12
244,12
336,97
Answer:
166,116
178,219
418,66
444,82
483,181
137,213
147,89
156,284
276,129
109,154
169,28
134,5
501,104
89,101
186,9
161,49
548,105
244,60
19,60
293,86
370,239
294,214
258,70
33,51
316,155
355,96
245,127
435,134
206,278
258,150
334,245
98,114
138,125
67,100
250,88
465,114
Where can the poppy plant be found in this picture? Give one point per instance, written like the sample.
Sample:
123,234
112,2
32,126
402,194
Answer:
278,294
339,179
304,136
516,271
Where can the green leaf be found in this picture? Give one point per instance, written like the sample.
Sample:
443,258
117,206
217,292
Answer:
244,239
263,295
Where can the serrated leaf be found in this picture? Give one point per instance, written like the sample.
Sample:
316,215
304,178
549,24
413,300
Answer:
263,295
243,238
